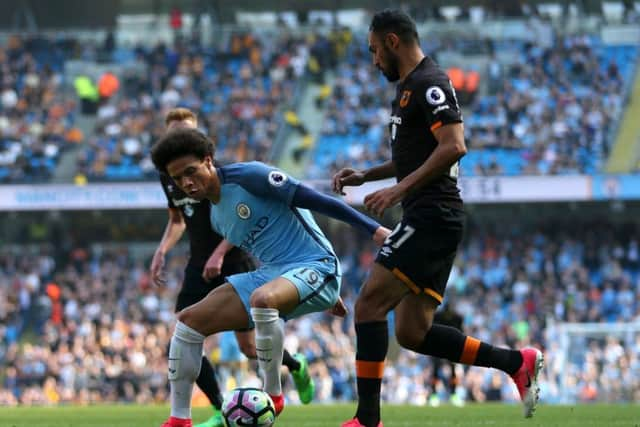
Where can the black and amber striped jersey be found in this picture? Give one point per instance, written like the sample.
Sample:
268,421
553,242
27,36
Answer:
425,100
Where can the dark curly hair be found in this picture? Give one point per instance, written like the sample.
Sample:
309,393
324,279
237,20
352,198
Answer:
179,143
395,21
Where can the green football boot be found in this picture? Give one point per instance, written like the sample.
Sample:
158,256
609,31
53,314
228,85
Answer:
216,420
303,381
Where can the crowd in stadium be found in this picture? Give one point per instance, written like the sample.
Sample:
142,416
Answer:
88,326
36,119
238,91
547,109
241,90
95,329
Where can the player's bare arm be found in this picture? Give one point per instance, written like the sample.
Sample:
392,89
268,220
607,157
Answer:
451,147
172,234
349,177
213,267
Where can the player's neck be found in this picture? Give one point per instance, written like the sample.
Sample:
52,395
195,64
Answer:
411,60
214,193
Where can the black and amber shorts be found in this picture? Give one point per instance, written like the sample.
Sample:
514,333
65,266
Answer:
421,257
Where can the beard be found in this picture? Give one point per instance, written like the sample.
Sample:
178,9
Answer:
391,71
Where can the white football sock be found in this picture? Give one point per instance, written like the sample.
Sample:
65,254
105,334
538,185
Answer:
185,359
269,346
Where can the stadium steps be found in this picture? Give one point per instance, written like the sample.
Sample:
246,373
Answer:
626,151
312,118
66,169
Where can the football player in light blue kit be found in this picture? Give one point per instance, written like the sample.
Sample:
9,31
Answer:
266,213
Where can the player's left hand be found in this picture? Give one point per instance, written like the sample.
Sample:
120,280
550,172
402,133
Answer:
213,267
381,200
338,309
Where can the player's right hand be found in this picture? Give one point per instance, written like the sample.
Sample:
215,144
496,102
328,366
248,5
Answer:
346,177
213,267
158,276
381,235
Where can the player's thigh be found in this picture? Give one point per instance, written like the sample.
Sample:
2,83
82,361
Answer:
381,292
317,287
416,312
413,319
278,293
245,284
247,342
221,310
421,258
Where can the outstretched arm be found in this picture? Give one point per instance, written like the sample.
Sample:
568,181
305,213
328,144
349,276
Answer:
265,181
308,198
350,177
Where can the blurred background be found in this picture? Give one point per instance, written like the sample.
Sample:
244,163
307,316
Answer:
551,97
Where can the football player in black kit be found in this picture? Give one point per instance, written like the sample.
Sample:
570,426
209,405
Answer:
412,267
207,269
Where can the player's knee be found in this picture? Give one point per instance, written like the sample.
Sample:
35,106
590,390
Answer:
360,310
263,298
248,349
188,317
369,307
410,338
367,312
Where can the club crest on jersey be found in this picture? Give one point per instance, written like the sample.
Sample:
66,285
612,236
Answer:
188,210
404,99
277,178
243,211
435,95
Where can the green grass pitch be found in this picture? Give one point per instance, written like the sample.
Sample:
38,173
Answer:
333,415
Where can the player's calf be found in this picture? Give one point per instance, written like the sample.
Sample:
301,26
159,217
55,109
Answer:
185,359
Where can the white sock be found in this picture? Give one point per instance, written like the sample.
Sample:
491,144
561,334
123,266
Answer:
269,346
185,358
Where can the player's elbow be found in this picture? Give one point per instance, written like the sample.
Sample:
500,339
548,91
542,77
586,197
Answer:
459,149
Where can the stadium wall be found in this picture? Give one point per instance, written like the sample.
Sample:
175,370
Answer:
148,195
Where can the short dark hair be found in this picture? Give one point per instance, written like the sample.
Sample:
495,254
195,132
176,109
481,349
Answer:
395,21
178,143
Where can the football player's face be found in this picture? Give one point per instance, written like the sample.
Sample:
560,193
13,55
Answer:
194,176
384,58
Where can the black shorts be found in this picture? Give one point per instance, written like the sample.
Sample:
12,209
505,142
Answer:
195,288
421,257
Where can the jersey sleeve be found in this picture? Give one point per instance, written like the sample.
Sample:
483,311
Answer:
308,198
164,182
262,180
438,101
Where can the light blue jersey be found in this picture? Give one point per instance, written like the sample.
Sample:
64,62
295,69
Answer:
255,213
